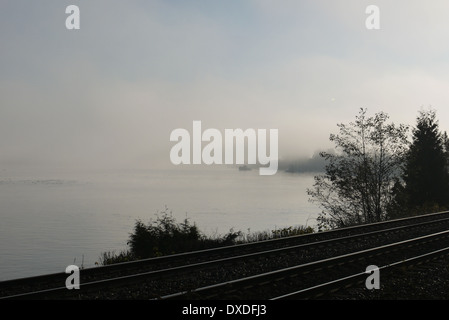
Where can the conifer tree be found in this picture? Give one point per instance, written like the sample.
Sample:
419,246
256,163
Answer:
426,175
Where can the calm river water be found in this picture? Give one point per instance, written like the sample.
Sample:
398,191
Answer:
54,219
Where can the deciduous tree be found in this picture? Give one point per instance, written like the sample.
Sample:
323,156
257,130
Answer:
359,176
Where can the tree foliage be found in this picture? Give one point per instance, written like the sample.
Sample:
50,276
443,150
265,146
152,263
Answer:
425,179
359,176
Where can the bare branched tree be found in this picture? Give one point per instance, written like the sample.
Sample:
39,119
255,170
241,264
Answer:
359,176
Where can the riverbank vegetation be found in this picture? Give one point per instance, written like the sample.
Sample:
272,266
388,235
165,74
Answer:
164,235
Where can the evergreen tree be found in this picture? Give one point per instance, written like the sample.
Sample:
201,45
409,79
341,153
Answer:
426,175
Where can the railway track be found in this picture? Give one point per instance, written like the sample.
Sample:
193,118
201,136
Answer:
357,280
332,273
175,276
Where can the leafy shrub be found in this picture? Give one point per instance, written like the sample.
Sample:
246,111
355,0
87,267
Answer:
165,236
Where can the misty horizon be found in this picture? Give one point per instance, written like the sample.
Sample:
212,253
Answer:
109,94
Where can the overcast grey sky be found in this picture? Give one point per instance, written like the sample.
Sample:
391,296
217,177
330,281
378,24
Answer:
109,94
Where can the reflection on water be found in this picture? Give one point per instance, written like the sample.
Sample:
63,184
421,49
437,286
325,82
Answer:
51,220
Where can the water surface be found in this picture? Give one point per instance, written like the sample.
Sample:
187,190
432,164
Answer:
52,219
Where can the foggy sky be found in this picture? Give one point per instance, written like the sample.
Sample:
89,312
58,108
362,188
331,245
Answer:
109,94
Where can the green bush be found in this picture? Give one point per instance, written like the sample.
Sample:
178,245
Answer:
165,236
